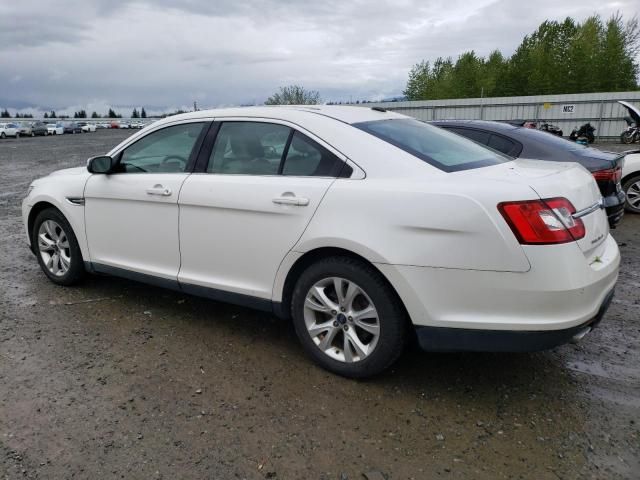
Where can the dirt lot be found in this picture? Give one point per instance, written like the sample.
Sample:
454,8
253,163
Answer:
115,379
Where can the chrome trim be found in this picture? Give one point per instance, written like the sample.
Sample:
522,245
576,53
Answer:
586,211
75,200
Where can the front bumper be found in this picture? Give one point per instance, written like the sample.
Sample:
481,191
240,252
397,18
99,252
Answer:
439,339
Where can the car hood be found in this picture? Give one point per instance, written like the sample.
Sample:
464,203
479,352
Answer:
71,171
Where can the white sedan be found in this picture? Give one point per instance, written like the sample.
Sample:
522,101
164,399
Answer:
363,226
89,127
631,181
55,129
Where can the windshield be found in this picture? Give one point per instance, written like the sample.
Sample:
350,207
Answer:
444,150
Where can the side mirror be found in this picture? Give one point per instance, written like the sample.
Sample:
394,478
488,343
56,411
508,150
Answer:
101,164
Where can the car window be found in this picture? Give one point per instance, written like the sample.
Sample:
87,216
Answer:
436,146
502,144
163,151
307,158
473,134
248,148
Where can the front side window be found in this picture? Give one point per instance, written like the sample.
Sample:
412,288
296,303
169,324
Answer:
248,148
436,146
163,151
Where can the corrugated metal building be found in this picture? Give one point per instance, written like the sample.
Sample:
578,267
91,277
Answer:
565,111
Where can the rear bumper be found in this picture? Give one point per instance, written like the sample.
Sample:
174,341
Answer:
614,206
439,339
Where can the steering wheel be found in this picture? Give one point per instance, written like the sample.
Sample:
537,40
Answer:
167,159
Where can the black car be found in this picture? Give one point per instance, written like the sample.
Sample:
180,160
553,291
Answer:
72,127
39,128
516,141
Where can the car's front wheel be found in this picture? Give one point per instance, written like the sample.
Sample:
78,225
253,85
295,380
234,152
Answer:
57,248
631,188
348,318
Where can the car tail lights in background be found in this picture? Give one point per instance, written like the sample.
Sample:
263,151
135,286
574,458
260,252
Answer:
609,175
543,222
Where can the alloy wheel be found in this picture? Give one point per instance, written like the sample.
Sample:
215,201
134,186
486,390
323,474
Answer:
341,319
54,248
633,195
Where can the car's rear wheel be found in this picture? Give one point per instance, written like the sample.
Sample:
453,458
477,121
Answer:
3,135
631,188
57,248
348,318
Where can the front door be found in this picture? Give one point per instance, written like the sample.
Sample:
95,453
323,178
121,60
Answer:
132,215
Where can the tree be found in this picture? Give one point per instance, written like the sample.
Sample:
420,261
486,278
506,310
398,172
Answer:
143,114
95,115
5,114
135,114
46,115
112,114
294,95
53,114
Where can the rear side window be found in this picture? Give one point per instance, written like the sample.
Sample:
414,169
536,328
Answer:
502,144
475,135
442,149
307,158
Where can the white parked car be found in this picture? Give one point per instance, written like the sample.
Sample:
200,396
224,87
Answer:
89,127
9,130
631,181
362,225
55,129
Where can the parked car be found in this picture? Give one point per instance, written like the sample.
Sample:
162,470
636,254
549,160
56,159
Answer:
9,130
87,127
359,224
529,143
72,127
114,125
39,128
631,180
55,128
24,129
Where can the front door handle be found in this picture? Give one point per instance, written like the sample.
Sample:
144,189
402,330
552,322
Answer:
289,198
159,190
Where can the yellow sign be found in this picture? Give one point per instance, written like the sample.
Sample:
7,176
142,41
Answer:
546,105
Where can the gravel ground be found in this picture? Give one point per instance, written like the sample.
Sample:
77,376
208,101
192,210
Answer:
114,379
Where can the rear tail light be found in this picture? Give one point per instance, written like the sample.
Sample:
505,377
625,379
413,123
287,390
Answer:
543,222
609,175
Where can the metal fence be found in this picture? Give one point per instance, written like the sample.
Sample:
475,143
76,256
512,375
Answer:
565,111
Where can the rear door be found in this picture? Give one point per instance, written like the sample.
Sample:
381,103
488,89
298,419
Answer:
262,183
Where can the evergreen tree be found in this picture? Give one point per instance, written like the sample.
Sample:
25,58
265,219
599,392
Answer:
143,114
95,115
5,114
135,114
46,115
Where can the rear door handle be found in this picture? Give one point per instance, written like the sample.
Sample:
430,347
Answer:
290,199
159,190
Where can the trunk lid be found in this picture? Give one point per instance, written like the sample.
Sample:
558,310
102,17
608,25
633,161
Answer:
559,179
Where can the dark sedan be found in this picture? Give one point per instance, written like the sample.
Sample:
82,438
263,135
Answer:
39,128
517,141
72,127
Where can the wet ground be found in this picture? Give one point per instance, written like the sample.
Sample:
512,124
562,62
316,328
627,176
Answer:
114,379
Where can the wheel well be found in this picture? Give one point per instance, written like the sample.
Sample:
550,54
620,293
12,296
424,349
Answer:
35,210
630,176
313,256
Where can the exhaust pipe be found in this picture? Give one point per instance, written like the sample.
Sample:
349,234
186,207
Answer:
580,335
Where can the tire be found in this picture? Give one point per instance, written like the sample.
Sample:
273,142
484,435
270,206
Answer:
55,228
340,355
3,135
631,188
626,138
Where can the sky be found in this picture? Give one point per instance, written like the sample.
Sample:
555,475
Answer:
166,54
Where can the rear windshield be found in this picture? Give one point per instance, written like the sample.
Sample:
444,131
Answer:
444,150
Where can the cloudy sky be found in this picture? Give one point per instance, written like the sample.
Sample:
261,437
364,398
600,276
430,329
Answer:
164,54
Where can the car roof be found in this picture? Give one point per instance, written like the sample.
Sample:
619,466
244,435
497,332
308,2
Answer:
488,124
345,114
